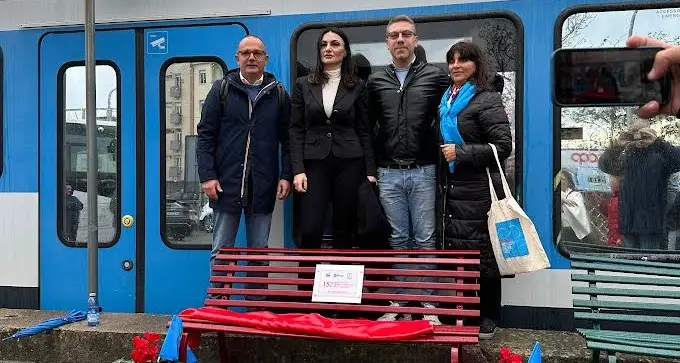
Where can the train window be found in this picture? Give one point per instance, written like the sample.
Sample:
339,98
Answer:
499,37
616,195
186,218
72,151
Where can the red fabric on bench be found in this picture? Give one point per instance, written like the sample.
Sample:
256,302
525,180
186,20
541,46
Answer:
312,324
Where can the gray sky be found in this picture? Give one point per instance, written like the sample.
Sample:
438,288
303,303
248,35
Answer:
75,86
614,26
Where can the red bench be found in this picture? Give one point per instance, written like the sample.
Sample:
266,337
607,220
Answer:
455,290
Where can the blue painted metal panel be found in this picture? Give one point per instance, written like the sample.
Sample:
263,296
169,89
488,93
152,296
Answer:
63,270
176,278
20,119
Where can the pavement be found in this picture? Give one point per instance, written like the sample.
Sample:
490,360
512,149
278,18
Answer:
112,341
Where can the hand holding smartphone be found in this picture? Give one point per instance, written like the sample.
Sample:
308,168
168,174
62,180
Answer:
607,77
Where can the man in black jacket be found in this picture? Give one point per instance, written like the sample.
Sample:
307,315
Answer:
243,123
404,98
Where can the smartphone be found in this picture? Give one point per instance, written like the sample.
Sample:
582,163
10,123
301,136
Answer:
606,77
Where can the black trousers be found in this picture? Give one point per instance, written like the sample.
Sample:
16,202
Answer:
490,298
331,180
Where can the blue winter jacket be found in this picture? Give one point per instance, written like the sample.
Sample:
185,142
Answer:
235,143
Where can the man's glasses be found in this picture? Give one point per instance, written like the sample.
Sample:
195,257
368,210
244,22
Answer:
258,54
406,34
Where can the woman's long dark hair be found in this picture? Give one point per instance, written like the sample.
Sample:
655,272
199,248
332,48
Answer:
348,72
469,51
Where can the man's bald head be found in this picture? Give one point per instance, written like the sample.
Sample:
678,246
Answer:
252,40
251,57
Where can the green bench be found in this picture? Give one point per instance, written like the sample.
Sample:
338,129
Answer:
638,293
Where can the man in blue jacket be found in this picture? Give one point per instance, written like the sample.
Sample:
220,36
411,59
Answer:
243,122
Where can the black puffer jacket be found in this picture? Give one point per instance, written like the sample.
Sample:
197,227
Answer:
465,199
405,115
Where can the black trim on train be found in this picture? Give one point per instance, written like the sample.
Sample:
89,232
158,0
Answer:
140,231
557,120
15,297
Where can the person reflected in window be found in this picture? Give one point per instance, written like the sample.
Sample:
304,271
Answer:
363,66
421,56
471,115
72,208
330,141
673,211
575,219
610,209
644,163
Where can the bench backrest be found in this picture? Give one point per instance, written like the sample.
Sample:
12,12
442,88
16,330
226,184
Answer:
622,290
454,280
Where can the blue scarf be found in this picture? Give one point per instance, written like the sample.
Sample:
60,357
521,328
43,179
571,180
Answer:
448,114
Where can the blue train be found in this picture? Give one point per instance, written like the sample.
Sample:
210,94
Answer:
153,72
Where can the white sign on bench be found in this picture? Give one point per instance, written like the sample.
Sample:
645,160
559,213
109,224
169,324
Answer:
338,283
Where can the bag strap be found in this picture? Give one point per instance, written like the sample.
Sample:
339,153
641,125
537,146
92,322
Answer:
506,187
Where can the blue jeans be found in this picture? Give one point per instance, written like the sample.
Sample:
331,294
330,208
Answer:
408,197
257,235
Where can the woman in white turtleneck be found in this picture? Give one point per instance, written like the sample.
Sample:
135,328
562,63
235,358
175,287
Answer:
330,142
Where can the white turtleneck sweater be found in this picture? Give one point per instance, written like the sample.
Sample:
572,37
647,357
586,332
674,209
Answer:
329,90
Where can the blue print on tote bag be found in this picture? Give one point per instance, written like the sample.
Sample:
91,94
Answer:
511,237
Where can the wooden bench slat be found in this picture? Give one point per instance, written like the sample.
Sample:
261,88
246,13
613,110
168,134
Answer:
340,307
625,292
369,283
642,337
611,267
655,352
365,296
608,304
628,318
635,343
367,271
351,260
347,252
625,261
460,339
234,269
618,279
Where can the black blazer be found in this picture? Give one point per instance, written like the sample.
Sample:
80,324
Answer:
346,133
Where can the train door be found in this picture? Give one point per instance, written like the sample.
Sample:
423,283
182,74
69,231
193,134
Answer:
63,170
180,65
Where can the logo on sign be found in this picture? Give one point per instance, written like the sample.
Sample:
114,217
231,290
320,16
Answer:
585,157
157,42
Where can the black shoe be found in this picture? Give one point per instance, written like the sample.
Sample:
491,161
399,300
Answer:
487,329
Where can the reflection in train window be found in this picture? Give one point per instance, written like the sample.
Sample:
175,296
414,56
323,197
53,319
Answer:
187,218
497,36
72,148
617,193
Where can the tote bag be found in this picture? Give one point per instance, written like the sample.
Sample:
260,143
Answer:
514,238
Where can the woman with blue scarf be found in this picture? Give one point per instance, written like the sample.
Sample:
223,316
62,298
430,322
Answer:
471,115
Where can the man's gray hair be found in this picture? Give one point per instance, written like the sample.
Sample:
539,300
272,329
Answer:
399,18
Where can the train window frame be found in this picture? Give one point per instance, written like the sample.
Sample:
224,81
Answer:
61,106
519,73
557,116
163,144
2,112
